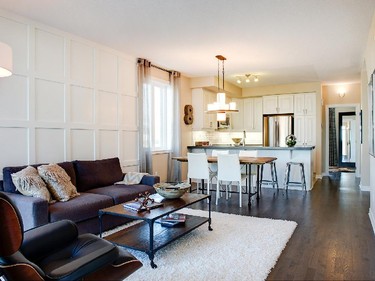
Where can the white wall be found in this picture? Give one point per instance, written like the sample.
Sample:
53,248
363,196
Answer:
369,62
68,98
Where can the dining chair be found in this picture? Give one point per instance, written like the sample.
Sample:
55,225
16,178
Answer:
253,172
198,169
229,170
213,166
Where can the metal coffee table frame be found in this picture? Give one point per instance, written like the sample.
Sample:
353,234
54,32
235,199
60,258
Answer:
148,236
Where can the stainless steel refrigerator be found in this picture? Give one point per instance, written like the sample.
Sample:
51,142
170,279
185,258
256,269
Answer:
276,128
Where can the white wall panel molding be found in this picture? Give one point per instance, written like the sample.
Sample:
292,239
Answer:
49,55
81,64
50,145
82,105
14,98
69,98
49,101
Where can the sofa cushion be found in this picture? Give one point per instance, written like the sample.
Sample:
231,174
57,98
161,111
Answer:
58,182
122,193
29,183
8,185
79,208
97,173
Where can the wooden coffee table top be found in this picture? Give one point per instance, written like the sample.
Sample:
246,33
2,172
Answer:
169,205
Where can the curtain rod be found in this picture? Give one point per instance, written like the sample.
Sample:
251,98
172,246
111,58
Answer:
160,68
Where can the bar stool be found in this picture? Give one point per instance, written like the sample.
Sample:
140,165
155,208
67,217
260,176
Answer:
273,180
287,181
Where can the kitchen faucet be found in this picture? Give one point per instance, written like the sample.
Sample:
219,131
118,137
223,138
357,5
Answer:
243,138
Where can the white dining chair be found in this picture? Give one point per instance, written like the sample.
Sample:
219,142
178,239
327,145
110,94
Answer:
229,170
213,166
253,172
198,169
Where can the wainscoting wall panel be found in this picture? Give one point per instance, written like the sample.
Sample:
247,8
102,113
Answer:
68,98
13,98
49,145
14,146
82,144
49,101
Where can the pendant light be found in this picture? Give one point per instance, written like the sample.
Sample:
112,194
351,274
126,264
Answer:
220,107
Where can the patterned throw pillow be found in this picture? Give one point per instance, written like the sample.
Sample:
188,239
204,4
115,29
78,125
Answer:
29,183
58,182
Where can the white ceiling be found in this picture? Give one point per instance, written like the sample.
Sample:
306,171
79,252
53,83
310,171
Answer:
282,41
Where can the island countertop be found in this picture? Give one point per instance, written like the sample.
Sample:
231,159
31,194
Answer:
251,147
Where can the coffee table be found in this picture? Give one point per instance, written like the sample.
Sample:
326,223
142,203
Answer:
149,236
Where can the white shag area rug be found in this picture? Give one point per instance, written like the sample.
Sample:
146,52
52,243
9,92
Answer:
238,248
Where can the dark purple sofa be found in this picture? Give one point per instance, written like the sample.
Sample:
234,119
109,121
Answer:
95,183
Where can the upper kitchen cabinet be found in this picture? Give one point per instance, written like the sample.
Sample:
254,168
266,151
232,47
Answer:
237,118
200,99
305,118
278,104
253,114
305,104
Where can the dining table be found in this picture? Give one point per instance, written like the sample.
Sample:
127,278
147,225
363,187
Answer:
244,160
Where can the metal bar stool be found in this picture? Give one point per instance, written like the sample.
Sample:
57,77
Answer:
287,181
273,181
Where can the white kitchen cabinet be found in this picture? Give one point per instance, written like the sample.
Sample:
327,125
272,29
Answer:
253,114
305,104
305,118
278,104
202,120
237,118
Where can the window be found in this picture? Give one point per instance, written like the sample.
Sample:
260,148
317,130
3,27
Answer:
161,116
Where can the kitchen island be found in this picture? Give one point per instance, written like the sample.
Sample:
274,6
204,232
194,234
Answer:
304,154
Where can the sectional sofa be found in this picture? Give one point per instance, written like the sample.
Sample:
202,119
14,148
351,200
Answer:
95,181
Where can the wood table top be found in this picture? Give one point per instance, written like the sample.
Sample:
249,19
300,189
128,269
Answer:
243,160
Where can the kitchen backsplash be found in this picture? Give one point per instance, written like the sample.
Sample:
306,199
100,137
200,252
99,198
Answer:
215,137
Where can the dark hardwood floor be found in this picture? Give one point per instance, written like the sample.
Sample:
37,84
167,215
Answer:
334,239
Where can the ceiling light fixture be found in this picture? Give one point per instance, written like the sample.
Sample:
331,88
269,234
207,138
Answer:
247,78
220,107
6,65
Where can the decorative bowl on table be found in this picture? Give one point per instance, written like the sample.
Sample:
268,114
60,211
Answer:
237,141
171,190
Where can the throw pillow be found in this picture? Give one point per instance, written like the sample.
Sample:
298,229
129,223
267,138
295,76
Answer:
29,183
58,182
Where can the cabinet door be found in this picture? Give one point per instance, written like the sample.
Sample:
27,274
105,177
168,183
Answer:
270,105
248,119
299,129
258,115
299,104
238,117
209,120
310,128
310,103
285,104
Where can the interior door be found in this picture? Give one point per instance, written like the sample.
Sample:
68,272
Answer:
347,139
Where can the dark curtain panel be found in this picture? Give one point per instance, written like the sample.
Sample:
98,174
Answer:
332,138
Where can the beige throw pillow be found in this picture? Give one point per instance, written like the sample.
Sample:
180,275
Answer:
58,182
29,183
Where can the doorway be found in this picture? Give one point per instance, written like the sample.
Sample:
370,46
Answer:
347,139
333,161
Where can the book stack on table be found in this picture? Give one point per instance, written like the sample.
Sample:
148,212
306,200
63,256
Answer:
172,220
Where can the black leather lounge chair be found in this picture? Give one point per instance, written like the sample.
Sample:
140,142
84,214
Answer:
55,251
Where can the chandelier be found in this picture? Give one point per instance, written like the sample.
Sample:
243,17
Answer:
220,107
247,78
